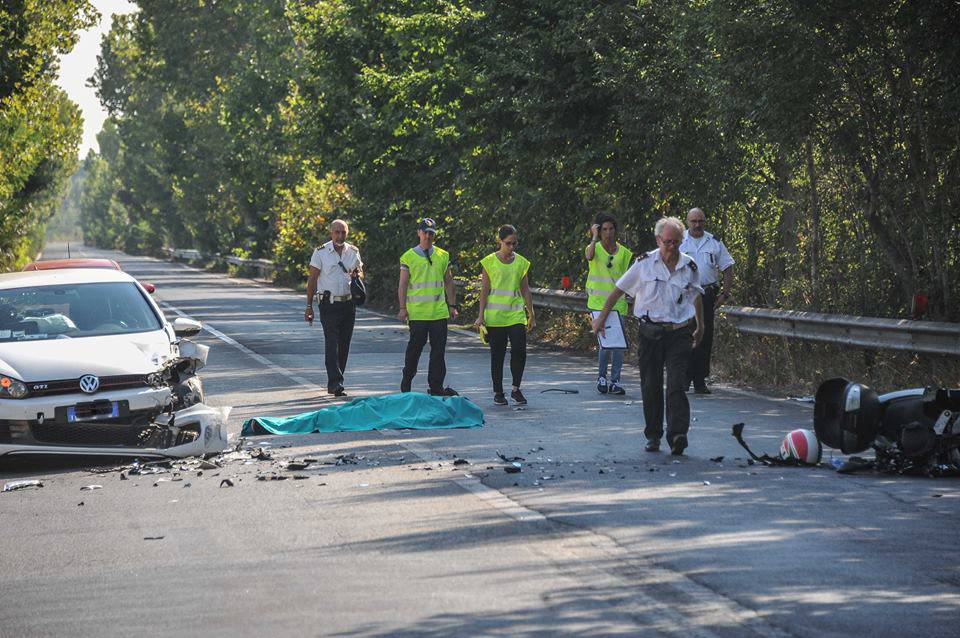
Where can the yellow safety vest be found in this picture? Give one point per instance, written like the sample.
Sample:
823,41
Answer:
505,304
602,280
426,297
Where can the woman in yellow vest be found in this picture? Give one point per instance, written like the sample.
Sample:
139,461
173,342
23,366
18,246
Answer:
506,311
608,261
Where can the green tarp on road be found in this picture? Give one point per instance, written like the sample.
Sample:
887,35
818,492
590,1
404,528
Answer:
411,410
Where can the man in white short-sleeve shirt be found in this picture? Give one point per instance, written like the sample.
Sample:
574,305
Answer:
331,268
665,285
714,263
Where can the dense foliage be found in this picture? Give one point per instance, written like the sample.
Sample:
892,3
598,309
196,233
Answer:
822,139
39,127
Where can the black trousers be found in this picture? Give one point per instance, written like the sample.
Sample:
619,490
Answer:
672,351
498,337
699,367
420,332
337,319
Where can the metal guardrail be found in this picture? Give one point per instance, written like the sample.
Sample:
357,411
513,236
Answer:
867,332
264,267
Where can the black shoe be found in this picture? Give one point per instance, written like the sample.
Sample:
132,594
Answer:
405,385
444,392
602,385
616,389
518,398
499,399
653,445
678,445
338,392
701,389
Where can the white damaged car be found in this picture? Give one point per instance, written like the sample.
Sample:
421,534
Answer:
89,365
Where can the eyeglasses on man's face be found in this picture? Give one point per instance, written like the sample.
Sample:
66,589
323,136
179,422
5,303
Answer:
669,242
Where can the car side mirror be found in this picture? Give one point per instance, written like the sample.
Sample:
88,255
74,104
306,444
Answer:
150,288
183,327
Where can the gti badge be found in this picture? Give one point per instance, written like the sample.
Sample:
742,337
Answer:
89,383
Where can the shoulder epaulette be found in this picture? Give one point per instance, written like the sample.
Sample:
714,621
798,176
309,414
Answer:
693,264
643,256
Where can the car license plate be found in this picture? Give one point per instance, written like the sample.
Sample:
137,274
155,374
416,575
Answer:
105,412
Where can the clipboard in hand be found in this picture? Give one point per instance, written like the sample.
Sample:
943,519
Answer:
614,337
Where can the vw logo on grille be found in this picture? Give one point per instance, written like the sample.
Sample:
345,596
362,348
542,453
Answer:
89,383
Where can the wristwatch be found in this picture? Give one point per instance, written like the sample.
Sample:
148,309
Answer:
454,306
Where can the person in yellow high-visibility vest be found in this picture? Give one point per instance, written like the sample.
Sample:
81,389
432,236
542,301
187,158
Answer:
428,300
506,311
608,261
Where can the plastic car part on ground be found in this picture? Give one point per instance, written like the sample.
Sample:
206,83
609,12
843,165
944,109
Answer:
406,410
13,486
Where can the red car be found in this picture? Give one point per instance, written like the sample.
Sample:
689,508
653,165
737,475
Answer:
85,262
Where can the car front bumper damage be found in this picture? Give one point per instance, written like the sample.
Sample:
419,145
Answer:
193,431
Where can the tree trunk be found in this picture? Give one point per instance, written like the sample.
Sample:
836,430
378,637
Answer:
814,229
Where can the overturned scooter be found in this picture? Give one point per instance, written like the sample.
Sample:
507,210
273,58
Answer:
913,431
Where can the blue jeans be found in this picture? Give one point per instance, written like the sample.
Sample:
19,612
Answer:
605,357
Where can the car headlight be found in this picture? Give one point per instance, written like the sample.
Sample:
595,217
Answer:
11,388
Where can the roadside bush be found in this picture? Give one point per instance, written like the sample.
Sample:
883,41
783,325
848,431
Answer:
303,216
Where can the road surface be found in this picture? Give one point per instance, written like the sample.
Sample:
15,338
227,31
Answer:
594,537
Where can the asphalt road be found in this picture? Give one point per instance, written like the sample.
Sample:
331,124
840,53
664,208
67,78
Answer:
594,537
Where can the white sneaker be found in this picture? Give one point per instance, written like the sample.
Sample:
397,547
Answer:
602,385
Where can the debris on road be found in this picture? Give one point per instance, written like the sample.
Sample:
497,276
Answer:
260,454
706,482
461,462
21,485
513,468
298,465
90,488
348,459
560,390
209,465
226,483
717,459
509,459
153,538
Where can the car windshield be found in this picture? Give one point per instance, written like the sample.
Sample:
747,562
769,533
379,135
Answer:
74,310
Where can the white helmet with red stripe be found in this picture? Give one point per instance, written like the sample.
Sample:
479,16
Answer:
803,446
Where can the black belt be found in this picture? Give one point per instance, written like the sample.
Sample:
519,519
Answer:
669,326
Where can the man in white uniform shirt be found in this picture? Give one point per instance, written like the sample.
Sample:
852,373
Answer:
665,285
714,263
331,268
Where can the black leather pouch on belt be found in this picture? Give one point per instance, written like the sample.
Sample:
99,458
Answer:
650,330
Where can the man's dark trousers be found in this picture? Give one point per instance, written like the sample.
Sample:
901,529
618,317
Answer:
420,331
699,368
673,351
337,319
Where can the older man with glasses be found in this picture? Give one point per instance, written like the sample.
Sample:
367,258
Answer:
665,285
714,262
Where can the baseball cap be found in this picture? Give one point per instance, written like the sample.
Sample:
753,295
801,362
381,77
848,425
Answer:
428,225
